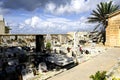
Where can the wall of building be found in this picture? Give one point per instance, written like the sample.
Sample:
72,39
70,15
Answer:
113,31
2,27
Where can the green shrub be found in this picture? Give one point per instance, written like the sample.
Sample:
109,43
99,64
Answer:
99,76
48,45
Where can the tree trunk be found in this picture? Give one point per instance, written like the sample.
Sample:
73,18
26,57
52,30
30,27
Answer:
104,37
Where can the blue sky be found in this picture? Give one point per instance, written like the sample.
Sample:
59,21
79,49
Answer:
48,16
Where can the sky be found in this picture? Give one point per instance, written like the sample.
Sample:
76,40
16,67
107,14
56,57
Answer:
48,16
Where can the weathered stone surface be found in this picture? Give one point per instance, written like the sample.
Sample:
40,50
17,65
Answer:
113,31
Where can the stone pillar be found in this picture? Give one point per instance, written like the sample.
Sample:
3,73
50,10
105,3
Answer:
2,25
39,43
0,39
16,37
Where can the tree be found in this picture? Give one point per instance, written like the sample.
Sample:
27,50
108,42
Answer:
100,16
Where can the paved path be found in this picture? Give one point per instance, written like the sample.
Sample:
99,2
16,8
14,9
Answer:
102,62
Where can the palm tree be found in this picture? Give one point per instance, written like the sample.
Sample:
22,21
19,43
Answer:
100,16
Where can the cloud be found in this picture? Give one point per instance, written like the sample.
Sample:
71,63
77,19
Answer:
53,25
33,21
76,6
50,7
31,5
50,24
2,10
54,6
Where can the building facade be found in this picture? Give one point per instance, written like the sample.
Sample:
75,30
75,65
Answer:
113,30
2,25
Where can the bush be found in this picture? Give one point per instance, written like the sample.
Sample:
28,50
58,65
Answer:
48,45
99,76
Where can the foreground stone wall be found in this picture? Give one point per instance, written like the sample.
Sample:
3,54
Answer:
113,31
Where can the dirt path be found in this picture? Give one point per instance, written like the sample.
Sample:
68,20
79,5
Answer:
102,62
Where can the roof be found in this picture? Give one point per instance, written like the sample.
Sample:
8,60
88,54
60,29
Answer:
114,13
1,17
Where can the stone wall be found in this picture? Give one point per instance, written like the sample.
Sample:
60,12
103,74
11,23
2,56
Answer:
2,27
113,31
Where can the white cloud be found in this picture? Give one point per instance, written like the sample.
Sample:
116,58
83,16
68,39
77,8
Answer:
75,6
50,7
78,6
57,25
33,21
58,20
53,24
21,25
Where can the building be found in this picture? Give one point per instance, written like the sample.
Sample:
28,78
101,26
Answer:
2,25
113,29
